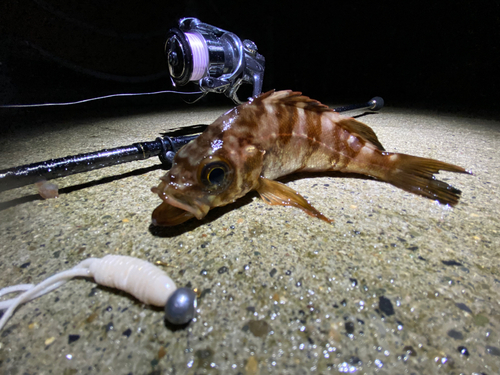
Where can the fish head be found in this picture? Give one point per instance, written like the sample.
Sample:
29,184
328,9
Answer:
206,173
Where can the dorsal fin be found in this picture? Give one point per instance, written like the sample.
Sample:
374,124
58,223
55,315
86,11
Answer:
293,98
296,99
363,130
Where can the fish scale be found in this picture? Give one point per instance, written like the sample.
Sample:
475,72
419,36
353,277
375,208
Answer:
276,134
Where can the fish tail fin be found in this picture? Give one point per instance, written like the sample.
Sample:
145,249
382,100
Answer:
416,175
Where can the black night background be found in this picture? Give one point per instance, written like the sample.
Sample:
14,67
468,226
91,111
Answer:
439,56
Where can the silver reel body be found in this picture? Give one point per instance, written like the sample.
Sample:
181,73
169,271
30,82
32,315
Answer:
217,59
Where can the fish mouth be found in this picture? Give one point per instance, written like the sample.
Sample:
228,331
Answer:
166,215
174,211
198,209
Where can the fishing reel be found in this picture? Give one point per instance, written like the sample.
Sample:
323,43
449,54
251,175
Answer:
214,58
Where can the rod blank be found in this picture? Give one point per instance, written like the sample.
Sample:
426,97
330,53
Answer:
164,147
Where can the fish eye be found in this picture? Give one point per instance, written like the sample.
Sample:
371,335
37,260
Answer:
216,175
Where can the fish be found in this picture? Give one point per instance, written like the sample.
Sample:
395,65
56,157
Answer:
276,134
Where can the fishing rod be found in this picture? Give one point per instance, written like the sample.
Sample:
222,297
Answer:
216,60
374,104
165,147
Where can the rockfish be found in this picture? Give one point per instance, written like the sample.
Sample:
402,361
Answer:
276,134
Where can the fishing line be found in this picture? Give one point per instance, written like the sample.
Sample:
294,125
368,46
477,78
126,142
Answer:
200,55
98,98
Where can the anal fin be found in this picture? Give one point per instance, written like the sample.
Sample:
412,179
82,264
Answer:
276,193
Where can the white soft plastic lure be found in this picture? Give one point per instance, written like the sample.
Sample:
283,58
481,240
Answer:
143,280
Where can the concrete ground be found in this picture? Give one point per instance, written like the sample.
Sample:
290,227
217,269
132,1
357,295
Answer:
398,284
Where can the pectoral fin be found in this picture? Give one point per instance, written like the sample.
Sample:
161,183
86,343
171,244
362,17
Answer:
276,193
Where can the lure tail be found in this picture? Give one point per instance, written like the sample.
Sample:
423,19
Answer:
416,175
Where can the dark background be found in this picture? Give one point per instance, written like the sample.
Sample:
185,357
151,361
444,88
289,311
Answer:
442,56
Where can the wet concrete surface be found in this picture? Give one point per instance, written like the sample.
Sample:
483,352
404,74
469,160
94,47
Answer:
397,284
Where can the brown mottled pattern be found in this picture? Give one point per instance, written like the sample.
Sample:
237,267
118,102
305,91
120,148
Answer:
279,133
301,135
292,132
